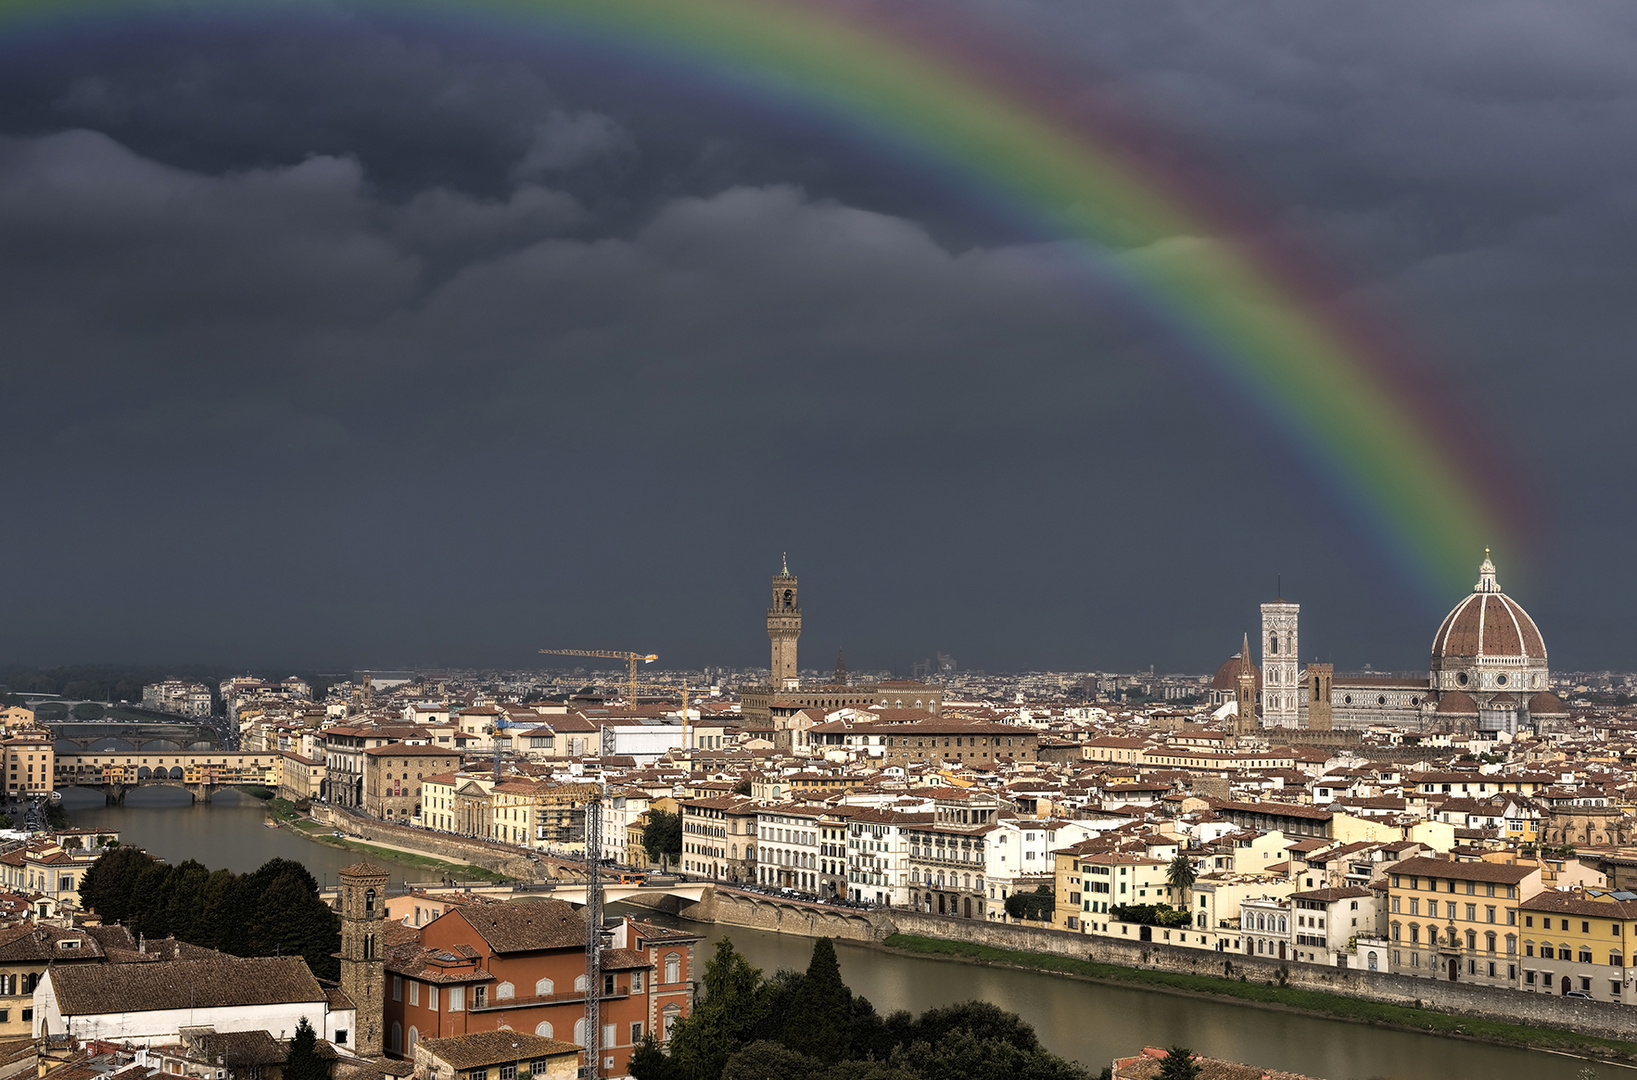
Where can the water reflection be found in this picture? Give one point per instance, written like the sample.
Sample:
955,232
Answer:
226,832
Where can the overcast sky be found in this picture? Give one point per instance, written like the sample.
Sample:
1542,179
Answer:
349,342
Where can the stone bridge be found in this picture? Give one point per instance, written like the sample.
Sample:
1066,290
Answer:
199,773
643,895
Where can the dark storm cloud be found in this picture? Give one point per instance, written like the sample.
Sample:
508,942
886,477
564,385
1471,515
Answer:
409,347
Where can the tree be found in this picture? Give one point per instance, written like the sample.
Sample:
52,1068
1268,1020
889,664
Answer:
662,837
1179,1064
1181,876
648,1061
72,843
720,1024
1037,905
820,1023
768,1060
303,1062
6,822
107,887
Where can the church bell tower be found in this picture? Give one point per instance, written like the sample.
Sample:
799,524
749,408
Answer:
363,964
783,630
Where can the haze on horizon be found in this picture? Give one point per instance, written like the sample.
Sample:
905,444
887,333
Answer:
343,342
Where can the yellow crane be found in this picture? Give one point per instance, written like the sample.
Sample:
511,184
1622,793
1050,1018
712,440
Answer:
631,659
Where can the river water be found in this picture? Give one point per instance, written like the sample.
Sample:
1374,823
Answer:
227,832
1084,1021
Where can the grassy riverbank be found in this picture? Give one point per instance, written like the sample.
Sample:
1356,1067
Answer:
284,812
1278,997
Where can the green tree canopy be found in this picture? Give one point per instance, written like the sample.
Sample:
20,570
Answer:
820,1020
662,837
1181,875
1179,1064
303,1062
1037,905
732,1007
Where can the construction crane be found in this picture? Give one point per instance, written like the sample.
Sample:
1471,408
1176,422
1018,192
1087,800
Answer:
595,937
631,659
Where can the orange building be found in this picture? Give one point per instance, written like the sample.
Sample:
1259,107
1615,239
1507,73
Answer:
521,965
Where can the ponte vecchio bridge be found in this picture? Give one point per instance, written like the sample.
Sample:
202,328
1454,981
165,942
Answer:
200,773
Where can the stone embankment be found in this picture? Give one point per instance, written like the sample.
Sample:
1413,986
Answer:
1600,1019
500,858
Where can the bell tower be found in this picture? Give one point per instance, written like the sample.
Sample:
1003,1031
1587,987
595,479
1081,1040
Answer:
783,630
1319,677
1244,721
1281,696
363,963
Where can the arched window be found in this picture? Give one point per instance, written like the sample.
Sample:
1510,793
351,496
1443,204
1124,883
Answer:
542,988
1273,644
1370,959
369,901
580,983
505,992
543,1028
579,1031
673,967
1284,925
396,1043
668,1018
369,946
414,1037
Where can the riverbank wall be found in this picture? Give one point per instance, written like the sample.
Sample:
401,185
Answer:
496,857
1594,1018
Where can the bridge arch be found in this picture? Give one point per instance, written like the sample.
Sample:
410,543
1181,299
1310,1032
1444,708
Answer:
160,744
111,742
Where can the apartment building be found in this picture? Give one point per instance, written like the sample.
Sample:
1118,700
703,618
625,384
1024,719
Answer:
1581,942
719,837
30,763
787,846
394,775
1457,920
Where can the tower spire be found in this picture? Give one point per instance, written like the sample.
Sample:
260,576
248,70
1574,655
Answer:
784,559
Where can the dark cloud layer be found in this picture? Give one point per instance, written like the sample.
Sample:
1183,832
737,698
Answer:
350,342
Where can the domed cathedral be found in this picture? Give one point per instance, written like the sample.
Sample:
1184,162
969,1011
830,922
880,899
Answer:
1488,673
1488,668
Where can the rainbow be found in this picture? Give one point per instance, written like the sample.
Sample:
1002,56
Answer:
1346,394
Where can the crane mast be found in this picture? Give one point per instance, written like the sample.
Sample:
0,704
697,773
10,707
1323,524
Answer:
593,937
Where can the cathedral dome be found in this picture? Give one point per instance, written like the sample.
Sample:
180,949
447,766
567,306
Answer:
1226,678
1486,625
1458,703
1547,703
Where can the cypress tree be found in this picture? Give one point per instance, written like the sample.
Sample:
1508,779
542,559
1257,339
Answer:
303,1062
821,1014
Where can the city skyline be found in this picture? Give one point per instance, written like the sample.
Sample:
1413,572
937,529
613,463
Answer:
438,348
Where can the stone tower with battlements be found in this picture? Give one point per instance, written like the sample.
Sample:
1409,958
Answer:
1319,679
363,964
783,630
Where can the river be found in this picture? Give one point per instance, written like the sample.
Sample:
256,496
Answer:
1085,1021
227,832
